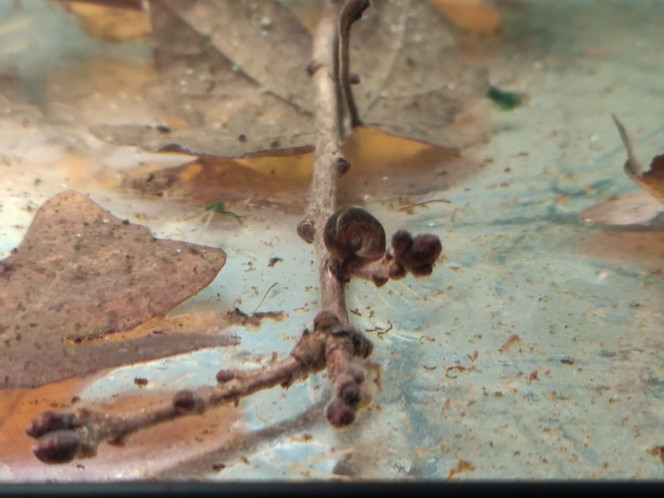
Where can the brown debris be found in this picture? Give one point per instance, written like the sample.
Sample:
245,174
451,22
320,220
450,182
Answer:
657,452
80,273
253,320
461,466
274,261
509,342
114,21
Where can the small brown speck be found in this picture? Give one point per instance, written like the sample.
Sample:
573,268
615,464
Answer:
274,261
657,452
509,342
461,466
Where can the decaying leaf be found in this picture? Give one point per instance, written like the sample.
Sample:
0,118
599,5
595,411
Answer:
474,15
233,77
80,273
636,207
114,21
652,180
627,247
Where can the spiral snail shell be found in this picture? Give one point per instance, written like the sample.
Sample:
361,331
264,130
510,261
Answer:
354,232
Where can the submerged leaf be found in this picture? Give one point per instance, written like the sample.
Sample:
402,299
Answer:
80,273
478,16
233,75
652,180
635,207
114,21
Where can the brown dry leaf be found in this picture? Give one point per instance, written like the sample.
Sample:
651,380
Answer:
80,273
112,21
636,207
474,15
233,72
461,466
652,181
638,247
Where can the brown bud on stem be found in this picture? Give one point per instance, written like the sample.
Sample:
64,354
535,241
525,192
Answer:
57,447
51,421
339,414
225,376
416,255
184,401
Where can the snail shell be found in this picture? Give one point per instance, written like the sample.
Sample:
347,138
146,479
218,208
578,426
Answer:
354,232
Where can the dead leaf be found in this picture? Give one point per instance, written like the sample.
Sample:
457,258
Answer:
235,73
635,208
643,248
412,81
111,22
80,273
474,15
652,181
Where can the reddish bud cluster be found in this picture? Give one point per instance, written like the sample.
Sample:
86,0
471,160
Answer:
224,376
51,421
57,447
415,255
184,401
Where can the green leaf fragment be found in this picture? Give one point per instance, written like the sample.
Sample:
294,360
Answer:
220,208
503,99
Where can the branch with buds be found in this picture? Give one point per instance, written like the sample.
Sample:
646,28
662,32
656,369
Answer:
348,242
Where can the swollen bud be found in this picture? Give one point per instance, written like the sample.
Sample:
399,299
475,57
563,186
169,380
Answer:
339,414
57,447
185,401
51,421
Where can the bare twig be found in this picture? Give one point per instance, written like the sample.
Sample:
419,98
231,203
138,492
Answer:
347,243
343,342
64,436
351,12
